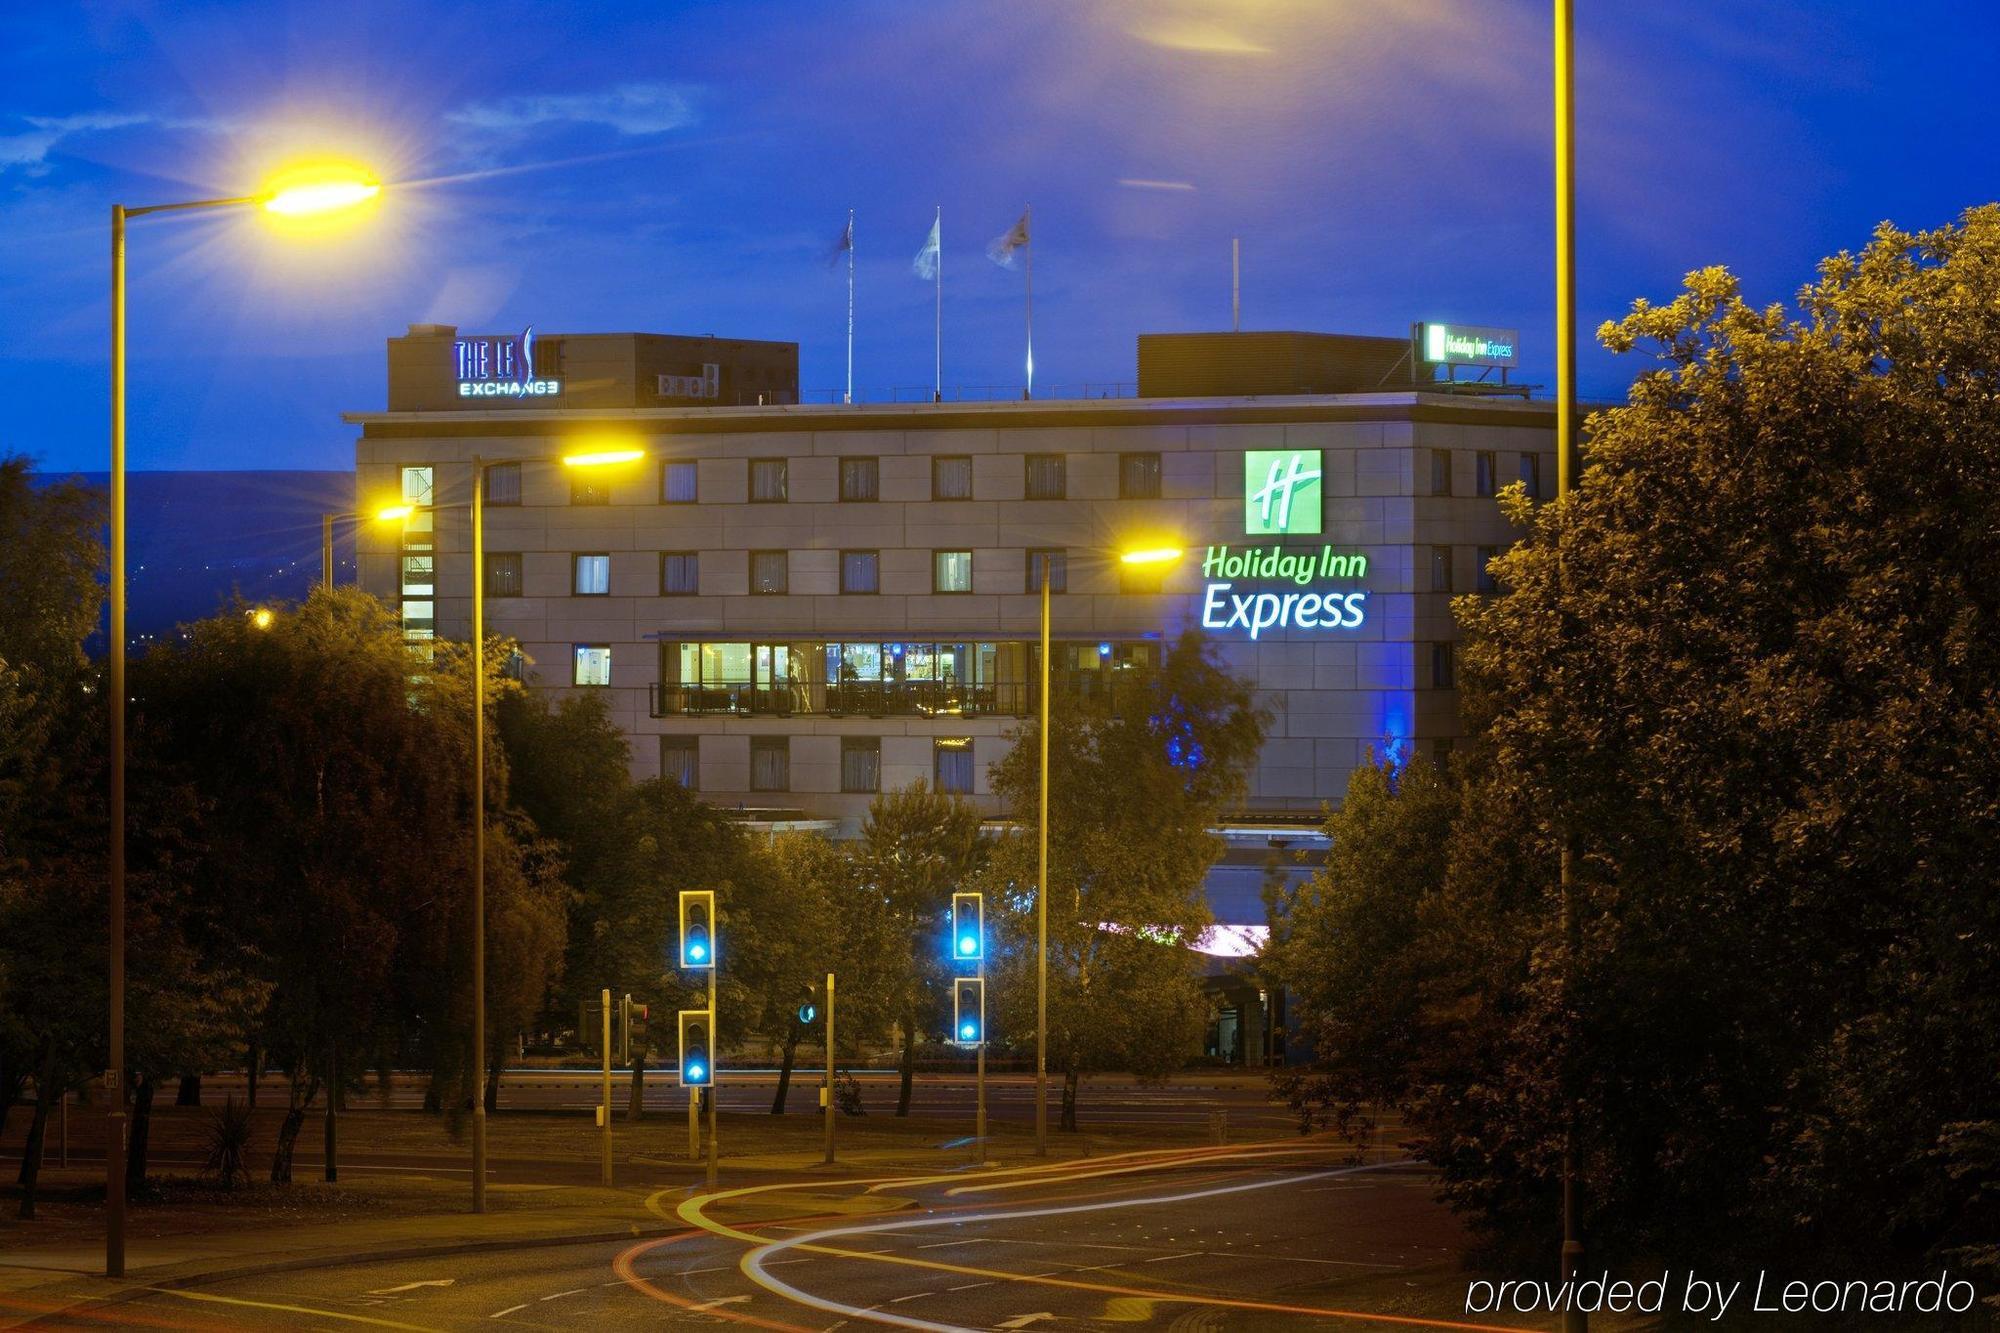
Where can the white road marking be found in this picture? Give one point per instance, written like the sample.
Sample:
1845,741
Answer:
967,1287
412,1286
559,1295
719,1300
509,1310
1168,1258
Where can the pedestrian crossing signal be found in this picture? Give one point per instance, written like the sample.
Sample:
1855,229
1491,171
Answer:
697,1062
698,928
968,1011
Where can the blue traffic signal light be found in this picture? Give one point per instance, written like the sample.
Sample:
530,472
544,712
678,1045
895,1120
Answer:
968,927
697,1062
809,1006
698,946
968,1011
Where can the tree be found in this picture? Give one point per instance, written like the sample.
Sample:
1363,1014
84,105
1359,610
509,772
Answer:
917,847
1136,788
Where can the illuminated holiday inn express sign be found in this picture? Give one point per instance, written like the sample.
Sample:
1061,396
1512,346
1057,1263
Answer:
1232,598
500,366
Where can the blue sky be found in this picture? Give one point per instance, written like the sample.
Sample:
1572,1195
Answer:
682,167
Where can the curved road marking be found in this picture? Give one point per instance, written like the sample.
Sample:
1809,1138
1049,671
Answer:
754,1260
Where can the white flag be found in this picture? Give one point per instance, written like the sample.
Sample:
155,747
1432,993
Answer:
925,265
1001,251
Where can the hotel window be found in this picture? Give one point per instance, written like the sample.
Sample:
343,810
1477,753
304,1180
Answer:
1047,477
503,483
860,763
680,573
770,763
860,571
419,576
951,571
951,477
1485,581
1056,562
1440,472
588,489
592,575
767,481
1486,473
677,484
769,572
1531,475
860,479
1138,476
951,764
417,584
1440,569
1442,677
680,759
503,573
593,664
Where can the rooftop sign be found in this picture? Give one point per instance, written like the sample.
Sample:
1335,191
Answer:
500,366
1469,345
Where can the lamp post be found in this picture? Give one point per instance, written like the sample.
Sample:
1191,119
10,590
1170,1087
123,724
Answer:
326,522
591,459
301,196
1140,557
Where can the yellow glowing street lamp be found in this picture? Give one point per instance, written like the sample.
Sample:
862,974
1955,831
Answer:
305,191
261,617
1155,555
386,514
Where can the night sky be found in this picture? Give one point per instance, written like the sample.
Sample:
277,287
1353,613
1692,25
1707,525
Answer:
683,167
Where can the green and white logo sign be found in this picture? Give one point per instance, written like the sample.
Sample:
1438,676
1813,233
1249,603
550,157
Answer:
1281,492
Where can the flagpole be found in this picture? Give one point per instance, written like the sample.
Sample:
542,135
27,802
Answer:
1027,218
850,307
937,382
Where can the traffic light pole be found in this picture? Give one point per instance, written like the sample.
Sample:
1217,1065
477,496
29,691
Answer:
979,1116
714,1078
604,1137
829,1069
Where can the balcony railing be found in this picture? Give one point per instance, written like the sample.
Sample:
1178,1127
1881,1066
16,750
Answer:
882,698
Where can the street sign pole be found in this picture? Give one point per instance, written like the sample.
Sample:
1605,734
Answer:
604,1113
828,1094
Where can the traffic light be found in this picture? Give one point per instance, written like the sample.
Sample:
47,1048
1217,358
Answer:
968,927
968,1011
630,1014
698,928
697,1066
808,1006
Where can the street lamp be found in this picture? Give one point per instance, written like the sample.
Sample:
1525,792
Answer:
1158,557
388,514
298,194
582,458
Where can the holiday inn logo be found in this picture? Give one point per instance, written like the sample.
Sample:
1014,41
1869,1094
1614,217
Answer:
1281,492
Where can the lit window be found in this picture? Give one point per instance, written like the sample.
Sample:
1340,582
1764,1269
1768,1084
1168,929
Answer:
418,489
1442,675
1138,476
677,484
680,573
860,479
1047,477
1056,562
1486,472
952,571
860,571
680,760
951,760
503,483
951,478
593,576
593,664
770,763
769,572
860,763
503,573
419,575
1440,569
767,480
1440,472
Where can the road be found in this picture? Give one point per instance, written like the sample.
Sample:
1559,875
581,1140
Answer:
1256,1237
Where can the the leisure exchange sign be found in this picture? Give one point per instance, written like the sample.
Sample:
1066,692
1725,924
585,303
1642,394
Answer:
1281,498
500,366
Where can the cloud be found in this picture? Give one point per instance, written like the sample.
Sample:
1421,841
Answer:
30,148
633,108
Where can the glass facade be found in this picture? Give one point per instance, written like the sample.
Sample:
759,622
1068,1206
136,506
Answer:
872,678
